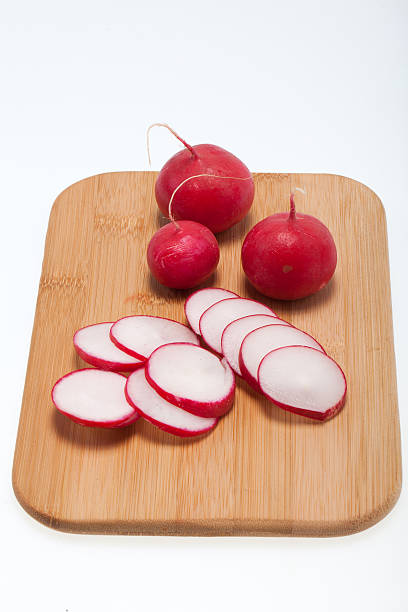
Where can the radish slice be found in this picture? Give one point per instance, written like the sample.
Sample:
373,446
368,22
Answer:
94,397
199,301
216,318
192,378
303,380
93,345
161,413
260,342
234,334
140,335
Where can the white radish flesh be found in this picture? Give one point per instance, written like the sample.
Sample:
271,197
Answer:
93,345
303,380
235,333
94,397
260,342
140,335
199,301
216,318
162,413
192,378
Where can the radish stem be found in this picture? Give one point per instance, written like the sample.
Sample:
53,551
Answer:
292,213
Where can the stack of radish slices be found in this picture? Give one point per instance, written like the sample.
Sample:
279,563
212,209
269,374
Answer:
174,383
183,388
280,361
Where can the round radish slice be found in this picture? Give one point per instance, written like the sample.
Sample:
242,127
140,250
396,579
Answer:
216,318
260,342
93,345
303,380
94,397
140,335
199,301
234,334
192,378
162,413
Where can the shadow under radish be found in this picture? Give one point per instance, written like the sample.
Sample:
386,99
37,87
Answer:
91,437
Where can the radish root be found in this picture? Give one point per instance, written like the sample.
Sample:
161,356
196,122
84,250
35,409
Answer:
189,147
235,178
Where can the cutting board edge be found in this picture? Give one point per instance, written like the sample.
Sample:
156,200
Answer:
342,177
214,527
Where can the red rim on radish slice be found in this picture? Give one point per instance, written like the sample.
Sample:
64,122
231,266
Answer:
162,413
234,334
199,301
216,318
94,397
140,335
192,378
303,380
94,345
261,341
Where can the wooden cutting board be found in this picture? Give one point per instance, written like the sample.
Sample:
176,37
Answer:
262,471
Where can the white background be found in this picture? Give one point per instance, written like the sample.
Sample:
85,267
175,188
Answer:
287,86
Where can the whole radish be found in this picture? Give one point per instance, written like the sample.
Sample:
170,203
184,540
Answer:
289,256
182,254
214,203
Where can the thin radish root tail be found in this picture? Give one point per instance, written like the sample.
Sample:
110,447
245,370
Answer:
189,147
292,213
235,178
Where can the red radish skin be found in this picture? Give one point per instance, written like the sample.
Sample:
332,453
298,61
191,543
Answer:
163,414
94,346
307,377
235,333
106,391
202,299
140,335
182,255
192,378
216,318
263,340
288,257
217,204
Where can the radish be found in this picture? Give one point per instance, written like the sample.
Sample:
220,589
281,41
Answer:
303,380
140,335
216,318
234,334
289,256
217,204
192,378
94,397
182,254
93,345
162,413
199,301
261,341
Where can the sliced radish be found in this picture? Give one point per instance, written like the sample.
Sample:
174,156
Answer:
140,335
261,341
303,380
234,334
199,301
216,318
192,378
93,345
162,413
94,397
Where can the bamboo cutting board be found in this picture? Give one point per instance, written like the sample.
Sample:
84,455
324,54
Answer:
262,471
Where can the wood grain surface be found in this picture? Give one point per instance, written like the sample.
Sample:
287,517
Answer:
262,471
